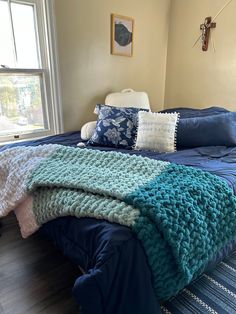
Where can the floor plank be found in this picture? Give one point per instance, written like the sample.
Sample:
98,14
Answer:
34,276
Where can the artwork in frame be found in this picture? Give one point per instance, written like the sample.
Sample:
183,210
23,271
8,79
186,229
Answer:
122,35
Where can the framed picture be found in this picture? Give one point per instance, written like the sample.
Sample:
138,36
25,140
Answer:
122,35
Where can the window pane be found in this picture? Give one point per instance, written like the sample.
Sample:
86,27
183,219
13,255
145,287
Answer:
6,50
25,35
21,109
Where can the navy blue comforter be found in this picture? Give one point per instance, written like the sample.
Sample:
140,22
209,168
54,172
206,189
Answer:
116,276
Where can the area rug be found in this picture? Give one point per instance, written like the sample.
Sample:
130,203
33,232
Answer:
214,292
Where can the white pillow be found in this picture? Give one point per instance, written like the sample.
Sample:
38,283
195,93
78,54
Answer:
87,130
156,131
127,98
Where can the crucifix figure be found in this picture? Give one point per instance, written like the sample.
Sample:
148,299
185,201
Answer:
206,28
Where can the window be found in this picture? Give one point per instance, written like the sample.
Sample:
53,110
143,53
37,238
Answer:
29,87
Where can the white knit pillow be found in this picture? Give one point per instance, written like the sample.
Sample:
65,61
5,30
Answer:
156,131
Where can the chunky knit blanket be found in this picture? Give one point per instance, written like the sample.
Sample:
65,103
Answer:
181,215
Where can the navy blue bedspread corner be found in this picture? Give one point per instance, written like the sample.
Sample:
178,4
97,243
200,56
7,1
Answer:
117,279
116,271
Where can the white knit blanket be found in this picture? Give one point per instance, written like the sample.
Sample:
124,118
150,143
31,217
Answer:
16,165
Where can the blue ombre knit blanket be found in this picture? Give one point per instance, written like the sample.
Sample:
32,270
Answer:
181,215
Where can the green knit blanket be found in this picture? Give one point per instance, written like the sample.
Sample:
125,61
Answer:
181,215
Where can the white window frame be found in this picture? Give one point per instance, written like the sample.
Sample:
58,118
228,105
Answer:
48,72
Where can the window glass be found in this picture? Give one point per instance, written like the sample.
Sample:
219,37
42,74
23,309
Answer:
21,108
25,35
6,51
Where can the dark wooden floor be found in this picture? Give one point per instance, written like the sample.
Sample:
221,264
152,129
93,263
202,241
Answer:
34,276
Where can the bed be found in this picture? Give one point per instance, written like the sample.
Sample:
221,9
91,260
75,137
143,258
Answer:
116,274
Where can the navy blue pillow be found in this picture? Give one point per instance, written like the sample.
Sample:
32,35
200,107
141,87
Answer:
192,112
212,130
116,127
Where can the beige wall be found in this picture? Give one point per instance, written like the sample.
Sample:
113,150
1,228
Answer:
195,78
88,70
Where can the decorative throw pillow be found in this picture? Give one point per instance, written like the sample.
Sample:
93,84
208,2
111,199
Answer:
116,127
156,131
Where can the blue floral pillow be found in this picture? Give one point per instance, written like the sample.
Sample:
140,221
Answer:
116,127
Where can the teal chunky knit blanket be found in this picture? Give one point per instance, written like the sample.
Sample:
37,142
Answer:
181,215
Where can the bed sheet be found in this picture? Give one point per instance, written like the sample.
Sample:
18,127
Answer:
117,278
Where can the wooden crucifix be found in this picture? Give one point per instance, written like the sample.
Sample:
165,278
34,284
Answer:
206,28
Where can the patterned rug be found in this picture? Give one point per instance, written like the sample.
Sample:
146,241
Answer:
214,292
